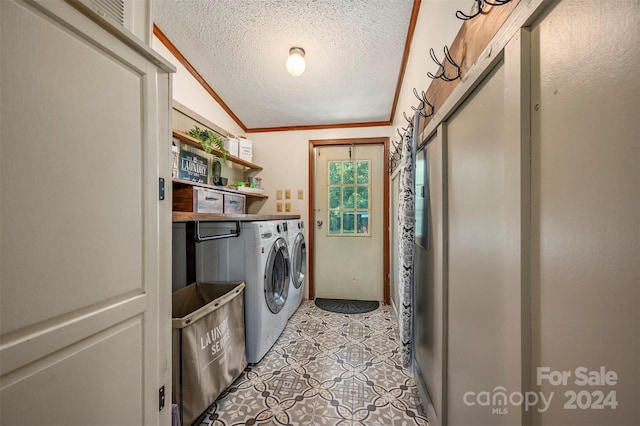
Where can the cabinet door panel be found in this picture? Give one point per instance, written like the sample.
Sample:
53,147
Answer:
81,229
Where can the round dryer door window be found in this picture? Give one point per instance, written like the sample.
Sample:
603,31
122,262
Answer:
276,276
299,264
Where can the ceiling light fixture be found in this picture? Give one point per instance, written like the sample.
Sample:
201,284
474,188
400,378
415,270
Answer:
295,61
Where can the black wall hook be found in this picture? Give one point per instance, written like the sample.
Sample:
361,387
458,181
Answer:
448,58
423,104
479,6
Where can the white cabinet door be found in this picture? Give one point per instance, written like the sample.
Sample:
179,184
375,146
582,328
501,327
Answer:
84,265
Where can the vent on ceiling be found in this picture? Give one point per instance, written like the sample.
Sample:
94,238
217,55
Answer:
112,8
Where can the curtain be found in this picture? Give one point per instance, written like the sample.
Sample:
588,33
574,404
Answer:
406,232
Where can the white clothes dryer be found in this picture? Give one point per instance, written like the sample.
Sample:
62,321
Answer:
260,258
298,257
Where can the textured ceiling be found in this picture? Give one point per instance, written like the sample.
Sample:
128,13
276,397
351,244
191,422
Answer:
354,51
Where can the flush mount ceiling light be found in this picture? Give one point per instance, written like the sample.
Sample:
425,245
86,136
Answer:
295,61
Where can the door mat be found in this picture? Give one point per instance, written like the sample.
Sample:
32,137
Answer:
341,306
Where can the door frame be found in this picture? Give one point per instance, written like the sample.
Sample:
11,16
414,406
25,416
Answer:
313,143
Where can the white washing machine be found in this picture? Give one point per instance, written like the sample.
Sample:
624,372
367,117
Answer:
260,258
298,257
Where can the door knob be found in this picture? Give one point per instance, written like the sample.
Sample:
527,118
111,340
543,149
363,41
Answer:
319,224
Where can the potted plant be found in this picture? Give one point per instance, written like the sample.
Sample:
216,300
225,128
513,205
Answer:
209,139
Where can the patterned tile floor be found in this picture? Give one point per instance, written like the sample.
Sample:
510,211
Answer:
325,369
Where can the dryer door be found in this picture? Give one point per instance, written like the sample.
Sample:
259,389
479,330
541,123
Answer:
276,276
299,261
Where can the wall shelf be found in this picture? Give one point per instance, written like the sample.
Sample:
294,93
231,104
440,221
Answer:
254,200
231,158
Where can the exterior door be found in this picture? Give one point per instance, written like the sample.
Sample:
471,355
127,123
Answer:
349,222
85,241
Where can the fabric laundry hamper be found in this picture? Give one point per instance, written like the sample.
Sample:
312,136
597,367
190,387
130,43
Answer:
208,344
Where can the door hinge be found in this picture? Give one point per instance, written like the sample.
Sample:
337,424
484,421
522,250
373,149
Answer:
161,188
161,399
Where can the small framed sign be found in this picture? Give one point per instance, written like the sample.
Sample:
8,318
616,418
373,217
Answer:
193,167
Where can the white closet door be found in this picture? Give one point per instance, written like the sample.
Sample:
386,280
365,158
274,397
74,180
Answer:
84,275
488,198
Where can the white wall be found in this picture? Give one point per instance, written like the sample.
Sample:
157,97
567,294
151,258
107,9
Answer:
190,93
436,27
284,156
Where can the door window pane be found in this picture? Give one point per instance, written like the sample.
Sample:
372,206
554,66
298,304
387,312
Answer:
334,222
348,169
362,222
347,197
334,197
335,172
362,172
348,223
362,197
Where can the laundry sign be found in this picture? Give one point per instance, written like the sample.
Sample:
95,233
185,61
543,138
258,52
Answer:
193,167
216,339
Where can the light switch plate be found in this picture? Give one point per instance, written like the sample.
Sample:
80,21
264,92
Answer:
287,207
279,207
278,194
287,194
300,194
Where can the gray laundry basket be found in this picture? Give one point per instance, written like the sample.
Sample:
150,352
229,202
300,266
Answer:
208,344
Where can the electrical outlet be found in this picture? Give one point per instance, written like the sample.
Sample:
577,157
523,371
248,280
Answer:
300,194
278,194
287,207
287,194
279,207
